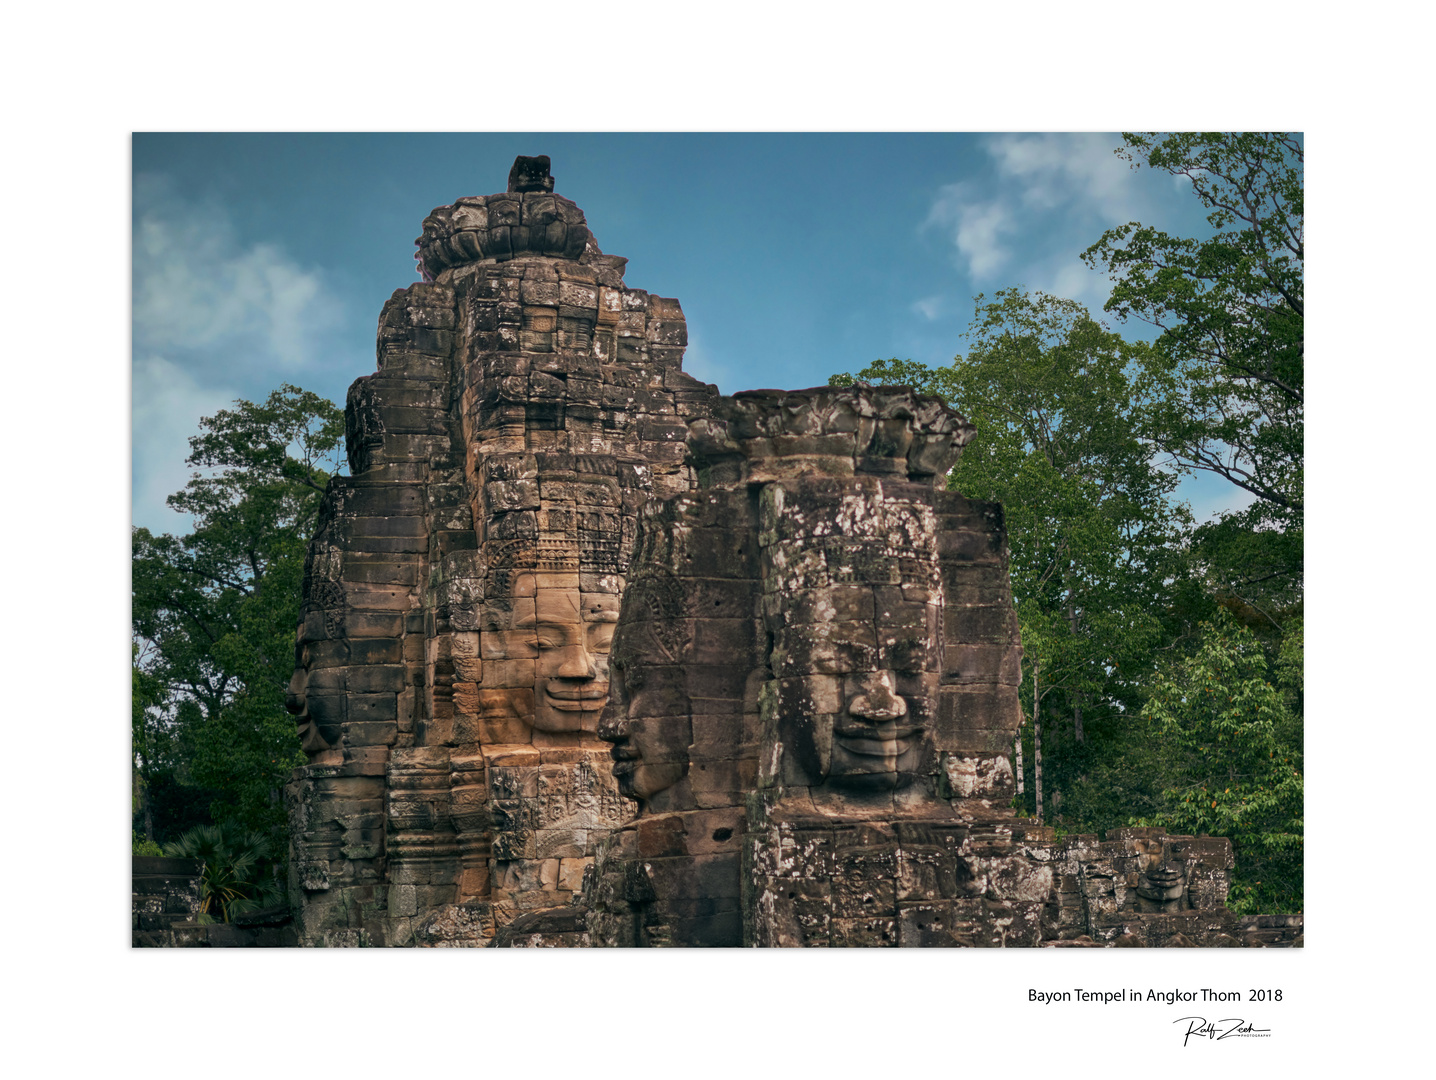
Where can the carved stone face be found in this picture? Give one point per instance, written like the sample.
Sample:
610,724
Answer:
315,714
571,632
648,723
878,737
854,697
648,716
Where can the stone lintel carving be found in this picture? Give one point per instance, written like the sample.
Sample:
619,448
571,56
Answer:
763,435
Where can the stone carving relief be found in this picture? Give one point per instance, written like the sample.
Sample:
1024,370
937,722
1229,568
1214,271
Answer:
546,645
682,719
854,621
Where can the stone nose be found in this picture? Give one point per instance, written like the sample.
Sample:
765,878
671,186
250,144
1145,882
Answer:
294,694
876,698
612,723
575,662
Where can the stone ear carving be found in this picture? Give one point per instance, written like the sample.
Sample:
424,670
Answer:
328,596
657,604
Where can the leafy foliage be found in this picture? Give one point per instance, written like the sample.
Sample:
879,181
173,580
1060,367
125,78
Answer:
214,611
1226,376
1234,762
238,873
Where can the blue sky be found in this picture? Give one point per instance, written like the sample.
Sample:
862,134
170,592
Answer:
259,259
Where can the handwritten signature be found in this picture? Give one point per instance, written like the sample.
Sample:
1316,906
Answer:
1216,1030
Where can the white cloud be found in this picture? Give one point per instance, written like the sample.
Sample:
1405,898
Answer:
1053,170
1071,278
197,288
1041,199
930,308
213,319
168,405
977,226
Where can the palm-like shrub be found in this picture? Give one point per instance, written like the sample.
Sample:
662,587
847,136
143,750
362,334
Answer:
237,872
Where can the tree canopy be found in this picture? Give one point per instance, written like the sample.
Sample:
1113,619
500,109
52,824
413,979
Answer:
214,611
1225,379
1233,761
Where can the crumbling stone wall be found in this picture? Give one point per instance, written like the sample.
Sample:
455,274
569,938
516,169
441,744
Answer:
1143,887
464,579
165,898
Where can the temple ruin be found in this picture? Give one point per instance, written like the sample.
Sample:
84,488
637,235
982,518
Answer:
590,655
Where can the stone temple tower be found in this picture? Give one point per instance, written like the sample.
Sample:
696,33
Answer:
799,647
462,588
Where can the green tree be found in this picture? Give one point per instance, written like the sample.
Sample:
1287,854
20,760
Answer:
1225,379
1095,541
214,611
151,740
1233,762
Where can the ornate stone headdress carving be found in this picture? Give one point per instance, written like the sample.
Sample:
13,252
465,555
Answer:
762,435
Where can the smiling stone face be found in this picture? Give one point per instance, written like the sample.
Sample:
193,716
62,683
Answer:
853,605
571,634
856,674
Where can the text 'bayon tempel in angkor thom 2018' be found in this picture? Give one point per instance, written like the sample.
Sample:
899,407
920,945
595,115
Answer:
591,655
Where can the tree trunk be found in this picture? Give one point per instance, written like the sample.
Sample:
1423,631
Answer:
142,789
1076,697
1021,780
1037,743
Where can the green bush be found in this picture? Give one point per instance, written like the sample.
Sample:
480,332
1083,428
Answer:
238,872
